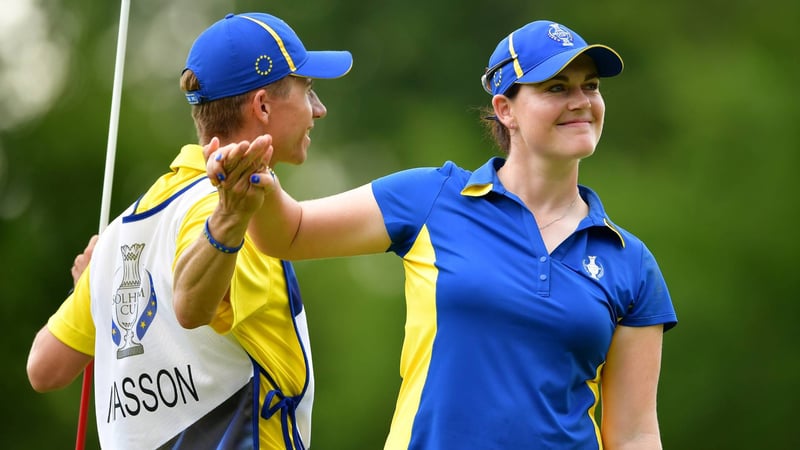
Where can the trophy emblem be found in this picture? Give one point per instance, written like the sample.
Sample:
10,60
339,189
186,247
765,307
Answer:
127,300
592,268
559,34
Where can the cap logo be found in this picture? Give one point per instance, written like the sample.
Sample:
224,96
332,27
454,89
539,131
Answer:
558,34
263,65
278,41
497,78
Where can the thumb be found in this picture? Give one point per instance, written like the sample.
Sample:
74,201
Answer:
266,179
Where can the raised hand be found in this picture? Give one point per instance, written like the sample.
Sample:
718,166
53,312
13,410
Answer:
231,168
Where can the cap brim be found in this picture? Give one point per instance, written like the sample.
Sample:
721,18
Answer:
326,64
608,63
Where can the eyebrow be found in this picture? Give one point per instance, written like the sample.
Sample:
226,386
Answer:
589,76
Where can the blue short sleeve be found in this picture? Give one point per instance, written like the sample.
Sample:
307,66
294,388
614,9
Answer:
405,199
652,304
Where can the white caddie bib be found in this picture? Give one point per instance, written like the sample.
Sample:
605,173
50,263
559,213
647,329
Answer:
153,378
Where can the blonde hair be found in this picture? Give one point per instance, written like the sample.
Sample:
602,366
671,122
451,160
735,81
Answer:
225,116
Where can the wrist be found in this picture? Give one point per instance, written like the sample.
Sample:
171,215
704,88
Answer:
223,238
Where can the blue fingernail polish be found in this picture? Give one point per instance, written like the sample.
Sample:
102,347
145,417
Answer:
220,177
255,179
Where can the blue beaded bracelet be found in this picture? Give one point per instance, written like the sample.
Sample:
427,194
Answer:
214,243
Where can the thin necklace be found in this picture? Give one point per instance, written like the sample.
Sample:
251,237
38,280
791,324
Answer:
569,208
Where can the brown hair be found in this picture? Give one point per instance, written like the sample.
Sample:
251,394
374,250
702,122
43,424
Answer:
494,127
225,116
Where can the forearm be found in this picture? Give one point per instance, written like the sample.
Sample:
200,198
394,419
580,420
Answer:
629,389
345,224
203,272
643,441
274,226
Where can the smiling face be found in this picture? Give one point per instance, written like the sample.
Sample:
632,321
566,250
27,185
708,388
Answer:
291,119
561,117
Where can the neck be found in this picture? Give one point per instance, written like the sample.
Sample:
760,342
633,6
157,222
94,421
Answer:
564,215
542,188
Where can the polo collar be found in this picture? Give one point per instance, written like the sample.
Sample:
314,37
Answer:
597,214
484,180
191,156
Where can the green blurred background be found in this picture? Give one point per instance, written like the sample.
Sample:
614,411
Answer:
698,158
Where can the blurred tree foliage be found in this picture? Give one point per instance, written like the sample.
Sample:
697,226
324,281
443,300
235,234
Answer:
698,158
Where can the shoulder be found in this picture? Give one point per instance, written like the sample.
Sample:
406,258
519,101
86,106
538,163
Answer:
417,184
419,181
602,223
448,169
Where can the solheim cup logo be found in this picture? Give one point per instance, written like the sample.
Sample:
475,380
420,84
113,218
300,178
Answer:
556,33
128,301
592,267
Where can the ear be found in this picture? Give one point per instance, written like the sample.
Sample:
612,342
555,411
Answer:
260,106
503,110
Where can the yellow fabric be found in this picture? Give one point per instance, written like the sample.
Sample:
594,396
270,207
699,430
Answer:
72,323
421,278
258,315
594,385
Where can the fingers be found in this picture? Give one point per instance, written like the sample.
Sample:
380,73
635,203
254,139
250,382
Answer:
265,178
90,246
211,147
230,154
233,162
82,260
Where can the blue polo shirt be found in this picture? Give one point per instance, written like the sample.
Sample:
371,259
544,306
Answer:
504,342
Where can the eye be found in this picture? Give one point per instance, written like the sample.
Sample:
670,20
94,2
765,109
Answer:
591,86
556,88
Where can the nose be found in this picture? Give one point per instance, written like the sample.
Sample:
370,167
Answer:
580,100
318,110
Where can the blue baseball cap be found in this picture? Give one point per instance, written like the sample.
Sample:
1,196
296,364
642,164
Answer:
247,51
540,50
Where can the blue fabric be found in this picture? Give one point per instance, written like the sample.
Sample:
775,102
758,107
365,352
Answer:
518,332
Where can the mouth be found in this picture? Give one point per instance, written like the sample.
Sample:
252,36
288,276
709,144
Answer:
575,122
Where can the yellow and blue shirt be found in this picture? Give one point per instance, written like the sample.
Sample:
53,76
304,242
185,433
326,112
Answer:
245,379
505,342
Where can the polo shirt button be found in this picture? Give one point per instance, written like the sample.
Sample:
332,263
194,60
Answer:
542,277
543,258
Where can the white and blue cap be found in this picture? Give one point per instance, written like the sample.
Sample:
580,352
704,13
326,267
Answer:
243,52
540,50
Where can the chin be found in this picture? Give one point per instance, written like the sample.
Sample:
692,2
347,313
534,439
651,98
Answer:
298,158
583,152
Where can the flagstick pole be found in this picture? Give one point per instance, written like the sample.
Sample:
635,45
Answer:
105,206
113,124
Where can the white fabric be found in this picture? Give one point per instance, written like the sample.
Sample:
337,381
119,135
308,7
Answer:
151,389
